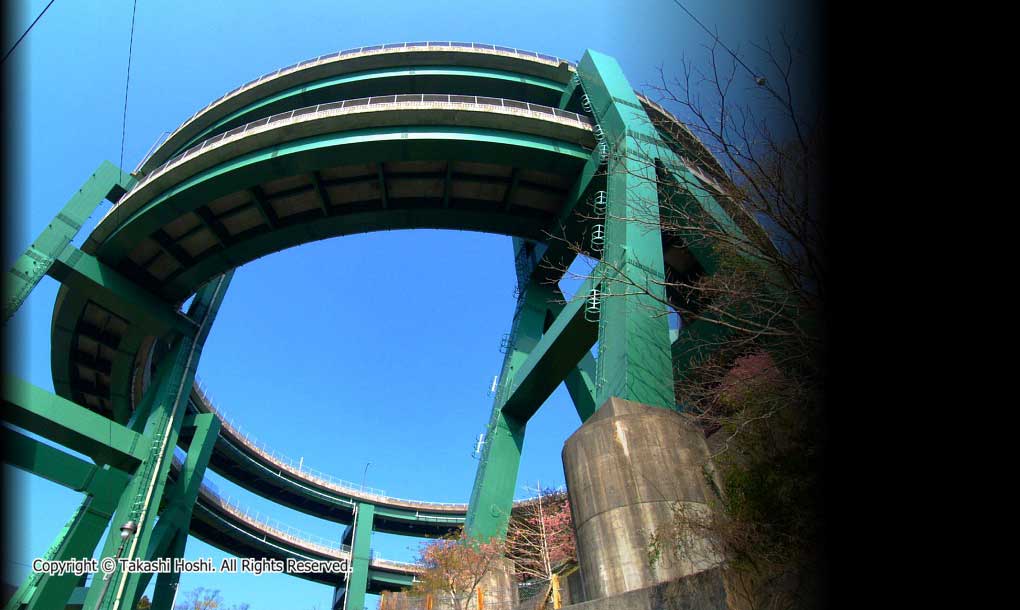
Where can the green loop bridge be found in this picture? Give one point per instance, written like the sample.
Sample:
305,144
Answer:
440,135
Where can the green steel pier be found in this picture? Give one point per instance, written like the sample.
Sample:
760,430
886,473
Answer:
437,135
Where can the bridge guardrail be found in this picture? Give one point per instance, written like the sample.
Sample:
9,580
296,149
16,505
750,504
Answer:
321,478
379,49
367,104
277,528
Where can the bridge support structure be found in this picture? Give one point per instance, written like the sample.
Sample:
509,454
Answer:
236,182
351,593
635,369
126,483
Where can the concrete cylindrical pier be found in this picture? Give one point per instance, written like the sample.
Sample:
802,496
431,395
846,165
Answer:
626,468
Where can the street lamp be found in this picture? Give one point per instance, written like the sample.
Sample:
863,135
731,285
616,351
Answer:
126,531
363,475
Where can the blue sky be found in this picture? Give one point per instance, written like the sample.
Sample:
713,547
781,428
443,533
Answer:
373,348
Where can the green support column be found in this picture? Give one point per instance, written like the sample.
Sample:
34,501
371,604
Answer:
580,384
634,344
493,492
167,582
170,535
529,258
361,557
580,381
83,530
140,501
108,182
561,347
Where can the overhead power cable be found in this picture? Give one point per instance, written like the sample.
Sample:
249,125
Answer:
127,84
760,80
22,37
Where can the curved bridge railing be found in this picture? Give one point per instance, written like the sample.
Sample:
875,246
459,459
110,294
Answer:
367,104
374,50
298,469
271,526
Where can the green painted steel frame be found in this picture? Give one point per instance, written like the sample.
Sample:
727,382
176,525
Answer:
303,156
107,182
141,500
81,534
361,557
634,344
71,425
636,360
170,535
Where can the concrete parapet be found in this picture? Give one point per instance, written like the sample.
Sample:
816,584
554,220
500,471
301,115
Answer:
626,468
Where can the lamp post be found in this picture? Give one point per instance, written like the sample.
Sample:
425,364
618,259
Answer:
126,531
364,474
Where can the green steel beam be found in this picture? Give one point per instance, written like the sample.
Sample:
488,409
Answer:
165,591
72,425
361,557
58,466
580,381
493,491
176,515
214,225
569,228
580,384
511,191
634,342
107,182
555,355
141,500
98,282
380,577
690,203
170,535
82,532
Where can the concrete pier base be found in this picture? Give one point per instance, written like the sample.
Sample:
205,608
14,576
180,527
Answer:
626,468
498,586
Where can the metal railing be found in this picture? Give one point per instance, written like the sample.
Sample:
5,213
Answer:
323,479
270,525
278,529
367,104
474,47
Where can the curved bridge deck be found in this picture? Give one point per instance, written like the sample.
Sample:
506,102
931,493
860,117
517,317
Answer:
266,474
228,527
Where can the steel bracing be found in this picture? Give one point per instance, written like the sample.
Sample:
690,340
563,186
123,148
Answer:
413,135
